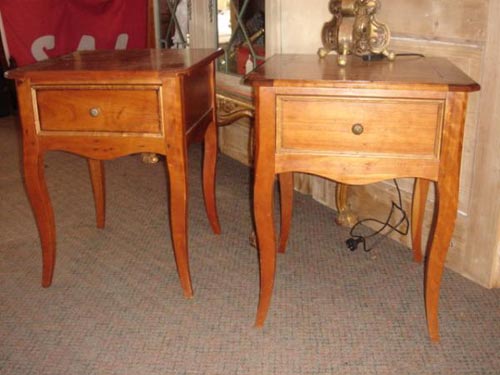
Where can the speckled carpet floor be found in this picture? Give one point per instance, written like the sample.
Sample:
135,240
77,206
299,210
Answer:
116,305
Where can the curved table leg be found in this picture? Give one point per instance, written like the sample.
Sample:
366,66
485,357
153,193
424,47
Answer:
345,216
417,216
39,198
96,169
177,171
264,224
286,207
264,177
209,171
446,206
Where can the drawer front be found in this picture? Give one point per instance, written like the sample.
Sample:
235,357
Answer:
361,126
101,110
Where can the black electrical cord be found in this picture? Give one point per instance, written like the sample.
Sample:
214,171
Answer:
353,242
409,54
380,56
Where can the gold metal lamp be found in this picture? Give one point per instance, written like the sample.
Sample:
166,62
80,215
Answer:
355,29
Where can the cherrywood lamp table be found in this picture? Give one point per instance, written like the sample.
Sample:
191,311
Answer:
358,124
107,104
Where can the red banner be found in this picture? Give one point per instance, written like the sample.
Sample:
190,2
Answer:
34,30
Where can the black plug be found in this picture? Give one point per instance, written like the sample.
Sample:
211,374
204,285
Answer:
352,243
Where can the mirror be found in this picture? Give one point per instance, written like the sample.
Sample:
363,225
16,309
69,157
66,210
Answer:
241,33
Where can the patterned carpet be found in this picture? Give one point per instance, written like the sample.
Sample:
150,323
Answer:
116,305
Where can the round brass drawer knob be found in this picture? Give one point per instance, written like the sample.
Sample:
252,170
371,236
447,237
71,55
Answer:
357,129
94,112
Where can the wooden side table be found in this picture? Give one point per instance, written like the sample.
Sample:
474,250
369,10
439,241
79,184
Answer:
366,122
107,104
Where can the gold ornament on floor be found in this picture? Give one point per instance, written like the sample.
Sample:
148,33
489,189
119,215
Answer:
354,29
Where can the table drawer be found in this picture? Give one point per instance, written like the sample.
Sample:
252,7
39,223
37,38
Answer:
101,110
359,125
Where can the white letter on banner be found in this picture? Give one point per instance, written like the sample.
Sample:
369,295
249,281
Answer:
40,45
121,41
87,43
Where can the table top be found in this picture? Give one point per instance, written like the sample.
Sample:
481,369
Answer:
404,72
133,62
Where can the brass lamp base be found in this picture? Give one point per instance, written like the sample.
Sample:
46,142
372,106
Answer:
354,29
